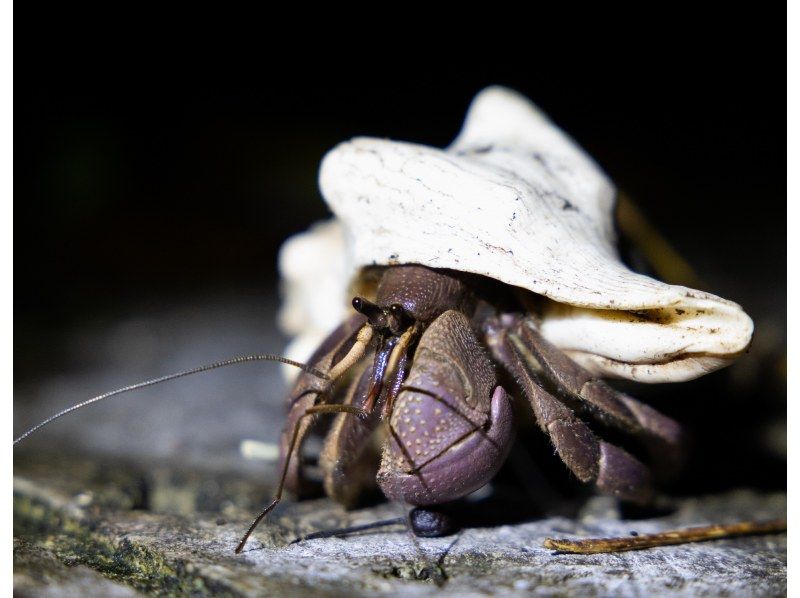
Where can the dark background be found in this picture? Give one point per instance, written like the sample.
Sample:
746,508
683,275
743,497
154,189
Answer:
157,163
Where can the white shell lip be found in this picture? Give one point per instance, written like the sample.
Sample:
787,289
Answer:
515,199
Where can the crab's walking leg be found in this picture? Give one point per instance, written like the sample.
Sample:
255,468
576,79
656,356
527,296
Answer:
307,389
591,459
662,434
342,454
340,351
293,445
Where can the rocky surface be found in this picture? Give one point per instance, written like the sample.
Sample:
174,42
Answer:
83,525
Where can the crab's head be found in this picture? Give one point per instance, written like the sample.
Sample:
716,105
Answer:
408,295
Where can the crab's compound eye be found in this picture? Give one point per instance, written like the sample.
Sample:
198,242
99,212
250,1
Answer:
366,307
430,523
376,315
399,318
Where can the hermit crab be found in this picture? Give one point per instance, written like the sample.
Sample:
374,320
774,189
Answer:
454,287
476,273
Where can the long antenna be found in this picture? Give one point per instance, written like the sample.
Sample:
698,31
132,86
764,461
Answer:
203,368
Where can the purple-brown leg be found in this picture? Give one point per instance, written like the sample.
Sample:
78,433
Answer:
345,443
305,393
291,450
662,436
592,460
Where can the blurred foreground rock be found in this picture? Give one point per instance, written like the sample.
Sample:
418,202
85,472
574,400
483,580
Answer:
83,527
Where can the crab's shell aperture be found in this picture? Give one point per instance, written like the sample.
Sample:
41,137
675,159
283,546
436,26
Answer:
515,199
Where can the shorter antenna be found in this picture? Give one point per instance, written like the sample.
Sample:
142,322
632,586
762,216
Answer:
345,531
203,368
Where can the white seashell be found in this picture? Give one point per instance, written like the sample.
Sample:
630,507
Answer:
515,199
314,278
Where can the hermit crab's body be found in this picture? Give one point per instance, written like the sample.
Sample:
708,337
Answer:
436,384
479,273
431,381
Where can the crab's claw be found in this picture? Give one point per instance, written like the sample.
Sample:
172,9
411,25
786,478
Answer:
452,425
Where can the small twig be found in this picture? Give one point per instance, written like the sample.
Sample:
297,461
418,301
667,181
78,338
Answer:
681,536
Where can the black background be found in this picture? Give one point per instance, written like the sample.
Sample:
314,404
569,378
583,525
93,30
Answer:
155,160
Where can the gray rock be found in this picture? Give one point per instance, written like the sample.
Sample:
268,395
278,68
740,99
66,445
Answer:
87,516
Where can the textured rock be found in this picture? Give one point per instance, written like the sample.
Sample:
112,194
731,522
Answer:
73,520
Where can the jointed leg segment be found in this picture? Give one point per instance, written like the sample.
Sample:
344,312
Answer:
591,459
317,409
612,407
